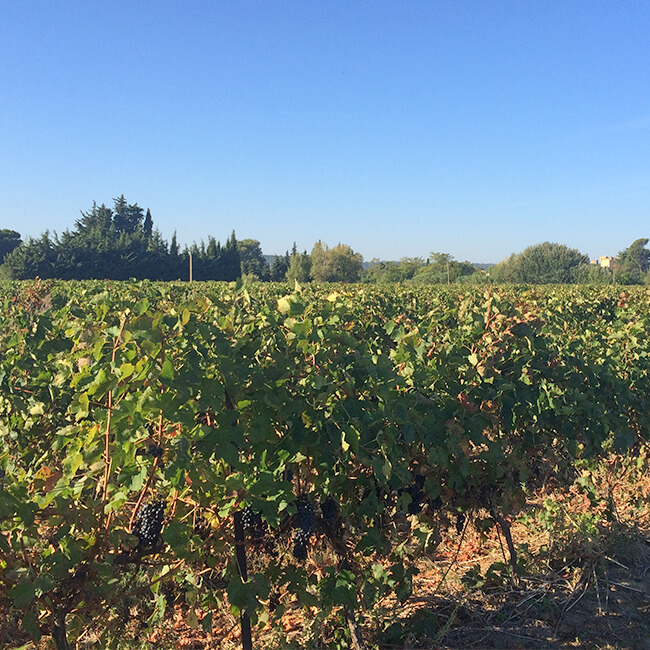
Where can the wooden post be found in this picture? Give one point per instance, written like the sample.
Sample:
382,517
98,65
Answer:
57,625
240,556
355,631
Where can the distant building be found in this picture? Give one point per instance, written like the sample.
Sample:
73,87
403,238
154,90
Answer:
606,261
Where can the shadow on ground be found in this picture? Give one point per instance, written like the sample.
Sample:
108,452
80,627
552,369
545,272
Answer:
602,603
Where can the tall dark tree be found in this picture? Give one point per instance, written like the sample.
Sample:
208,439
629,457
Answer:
147,226
176,264
99,219
212,262
127,218
231,260
9,240
213,259
106,243
174,250
280,267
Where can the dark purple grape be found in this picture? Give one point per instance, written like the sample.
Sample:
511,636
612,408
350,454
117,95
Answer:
416,495
253,523
147,524
300,543
305,514
155,451
435,504
329,509
415,491
248,517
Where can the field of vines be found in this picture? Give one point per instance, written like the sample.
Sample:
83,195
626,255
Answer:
259,448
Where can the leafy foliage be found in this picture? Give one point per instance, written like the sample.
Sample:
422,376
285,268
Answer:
120,243
337,264
138,421
545,263
633,263
300,265
391,272
252,259
9,240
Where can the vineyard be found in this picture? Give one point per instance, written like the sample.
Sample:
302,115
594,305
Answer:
246,453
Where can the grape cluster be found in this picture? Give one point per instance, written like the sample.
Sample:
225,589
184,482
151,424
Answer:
252,522
306,518
329,509
305,514
155,451
148,523
248,517
300,543
436,504
274,601
416,492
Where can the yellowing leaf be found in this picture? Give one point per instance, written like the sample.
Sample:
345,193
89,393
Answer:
284,305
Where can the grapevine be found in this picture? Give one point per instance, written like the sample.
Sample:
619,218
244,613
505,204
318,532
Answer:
355,421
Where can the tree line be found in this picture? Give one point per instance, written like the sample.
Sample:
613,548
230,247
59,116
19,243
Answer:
120,242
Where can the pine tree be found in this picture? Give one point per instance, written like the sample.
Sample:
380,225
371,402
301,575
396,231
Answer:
173,247
280,267
231,268
147,226
299,267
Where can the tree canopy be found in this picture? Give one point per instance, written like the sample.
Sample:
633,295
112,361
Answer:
545,263
299,266
119,243
390,272
252,259
338,264
442,268
633,263
9,240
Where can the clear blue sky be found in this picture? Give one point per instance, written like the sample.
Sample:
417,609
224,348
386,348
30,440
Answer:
469,127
